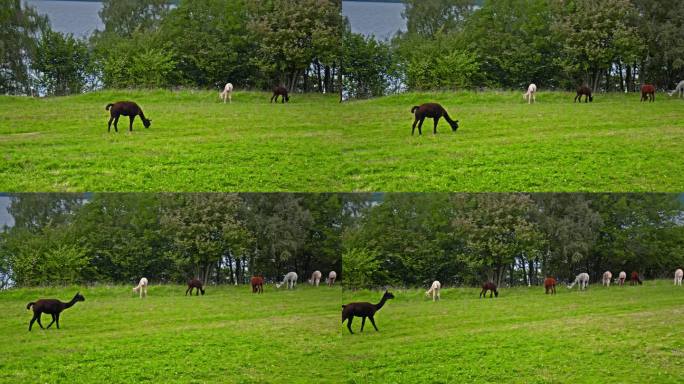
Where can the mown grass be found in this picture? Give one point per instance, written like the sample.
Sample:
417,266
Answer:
229,336
625,335
316,144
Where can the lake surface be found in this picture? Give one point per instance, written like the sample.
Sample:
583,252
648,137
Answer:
381,20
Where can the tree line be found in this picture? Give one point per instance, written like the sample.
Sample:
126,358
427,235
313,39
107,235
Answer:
220,238
512,239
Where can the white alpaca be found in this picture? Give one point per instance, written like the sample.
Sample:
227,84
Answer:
227,93
582,279
678,277
142,288
622,277
315,278
679,90
331,278
290,279
529,95
434,290
607,277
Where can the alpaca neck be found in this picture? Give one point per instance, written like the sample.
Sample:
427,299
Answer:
70,303
381,303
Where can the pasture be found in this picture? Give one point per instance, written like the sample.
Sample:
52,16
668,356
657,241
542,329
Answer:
626,335
228,335
315,144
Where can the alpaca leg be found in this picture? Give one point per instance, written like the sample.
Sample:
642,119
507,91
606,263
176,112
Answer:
373,322
349,323
130,123
57,318
413,128
109,124
116,124
186,292
230,97
363,322
38,320
35,317
434,130
420,126
53,320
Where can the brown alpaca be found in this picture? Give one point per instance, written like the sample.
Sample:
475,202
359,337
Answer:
585,91
125,108
648,92
194,283
491,287
550,285
433,111
280,91
51,306
363,310
635,279
257,284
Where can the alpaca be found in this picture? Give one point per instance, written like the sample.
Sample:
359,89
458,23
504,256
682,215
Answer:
582,279
363,310
607,277
142,287
433,111
52,306
648,92
635,279
678,277
315,278
491,287
621,278
280,91
550,285
434,290
529,95
227,93
194,283
585,91
679,90
257,284
331,278
125,108
290,279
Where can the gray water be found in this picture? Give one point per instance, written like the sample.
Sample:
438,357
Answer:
381,20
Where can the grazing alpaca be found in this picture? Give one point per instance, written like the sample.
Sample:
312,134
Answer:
635,279
433,111
227,93
434,290
607,277
678,277
621,278
257,284
584,91
550,285
648,92
679,90
363,310
280,91
582,279
491,287
529,95
290,279
125,108
194,283
142,288
331,278
315,278
51,306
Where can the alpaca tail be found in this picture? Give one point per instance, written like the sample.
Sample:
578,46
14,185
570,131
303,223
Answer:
108,106
413,110
29,305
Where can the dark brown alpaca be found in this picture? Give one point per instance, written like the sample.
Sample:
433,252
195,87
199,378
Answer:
635,279
434,111
585,91
491,287
280,91
648,92
257,284
125,108
194,283
363,310
550,285
51,306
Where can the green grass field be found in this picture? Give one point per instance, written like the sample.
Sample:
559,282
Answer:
620,335
316,144
229,335
626,335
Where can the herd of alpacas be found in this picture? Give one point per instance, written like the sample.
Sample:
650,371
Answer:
421,112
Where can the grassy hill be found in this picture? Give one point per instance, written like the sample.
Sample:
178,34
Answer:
317,144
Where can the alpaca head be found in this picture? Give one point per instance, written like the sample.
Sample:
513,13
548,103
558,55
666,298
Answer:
202,290
278,285
287,98
146,122
79,297
496,293
454,125
388,295
591,99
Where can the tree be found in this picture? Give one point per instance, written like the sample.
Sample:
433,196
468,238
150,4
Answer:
360,266
427,18
125,17
62,63
367,67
